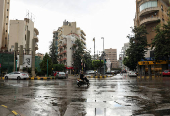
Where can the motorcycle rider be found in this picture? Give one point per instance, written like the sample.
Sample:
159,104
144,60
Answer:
82,77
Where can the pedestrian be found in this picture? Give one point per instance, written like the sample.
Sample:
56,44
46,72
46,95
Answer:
67,73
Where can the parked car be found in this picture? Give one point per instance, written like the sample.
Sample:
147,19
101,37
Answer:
16,75
132,73
90,72
61,75
166,73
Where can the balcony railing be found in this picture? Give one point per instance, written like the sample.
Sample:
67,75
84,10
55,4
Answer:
149,20
36,38
64,45
148,10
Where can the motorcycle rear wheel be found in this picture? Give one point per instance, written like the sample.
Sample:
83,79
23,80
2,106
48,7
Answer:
78,85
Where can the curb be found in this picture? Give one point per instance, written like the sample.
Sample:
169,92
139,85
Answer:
41,78
35,78
98,76
14,112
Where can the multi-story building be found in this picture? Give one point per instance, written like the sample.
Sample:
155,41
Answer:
4,19
40,55
22,32
111,54
122,55
151,13
65,38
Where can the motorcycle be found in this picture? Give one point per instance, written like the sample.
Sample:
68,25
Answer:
81,82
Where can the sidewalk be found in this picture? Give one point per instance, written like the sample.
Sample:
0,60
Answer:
7,112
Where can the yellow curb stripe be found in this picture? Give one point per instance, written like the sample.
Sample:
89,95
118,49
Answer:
4,106
100,76
32,78
96,76
14,112
3,78
91,76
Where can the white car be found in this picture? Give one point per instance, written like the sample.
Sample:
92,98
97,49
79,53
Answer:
132,73
16,75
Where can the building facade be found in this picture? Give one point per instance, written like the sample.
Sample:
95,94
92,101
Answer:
64,39
22,32
111,54
4,21
151,13
122,55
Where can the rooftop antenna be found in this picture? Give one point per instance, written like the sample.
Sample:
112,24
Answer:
27,14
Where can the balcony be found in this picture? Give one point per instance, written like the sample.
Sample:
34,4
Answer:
149,20
60,47
83,32
64,59
148,10
64,45
36,31
83,37
36,46
36,39
64,51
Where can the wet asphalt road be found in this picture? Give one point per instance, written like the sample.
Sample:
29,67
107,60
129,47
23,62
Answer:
111,96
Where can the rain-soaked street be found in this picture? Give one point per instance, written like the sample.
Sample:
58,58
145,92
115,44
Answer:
110,96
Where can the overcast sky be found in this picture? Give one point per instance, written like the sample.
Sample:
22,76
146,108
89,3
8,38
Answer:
110,19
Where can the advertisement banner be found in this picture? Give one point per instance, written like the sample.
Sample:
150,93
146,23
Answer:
27,61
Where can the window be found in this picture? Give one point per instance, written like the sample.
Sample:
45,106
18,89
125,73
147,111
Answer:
149,4
6,23
7,9
25,37
6,16
162,7
162,19
6,30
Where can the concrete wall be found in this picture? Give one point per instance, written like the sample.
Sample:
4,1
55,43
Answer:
112,55
1,20
4,22
18,33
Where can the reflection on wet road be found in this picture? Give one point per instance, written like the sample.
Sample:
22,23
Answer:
111,96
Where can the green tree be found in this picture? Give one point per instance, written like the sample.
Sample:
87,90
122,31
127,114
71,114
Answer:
43,64
78,54
97,63
138,47
58,67
161,42
52,52
87,60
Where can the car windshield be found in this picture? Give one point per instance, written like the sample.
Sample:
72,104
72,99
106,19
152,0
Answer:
61,73
166,71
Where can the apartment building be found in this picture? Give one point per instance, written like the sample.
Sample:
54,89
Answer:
122,55
111,54
65,38
22,32
4,21
151,13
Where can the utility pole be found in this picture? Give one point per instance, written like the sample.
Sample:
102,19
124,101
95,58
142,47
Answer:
103,55
94,47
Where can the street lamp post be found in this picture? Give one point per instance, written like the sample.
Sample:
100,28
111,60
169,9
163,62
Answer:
94,47
103,55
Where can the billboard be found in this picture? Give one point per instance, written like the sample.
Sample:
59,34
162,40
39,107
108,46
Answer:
27,61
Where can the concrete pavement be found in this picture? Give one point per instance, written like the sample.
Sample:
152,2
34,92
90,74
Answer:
5,111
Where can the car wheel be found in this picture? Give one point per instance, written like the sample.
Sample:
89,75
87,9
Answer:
6,77
18,78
